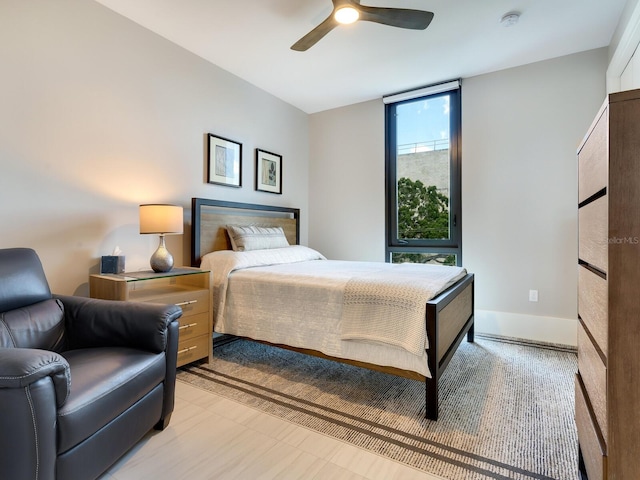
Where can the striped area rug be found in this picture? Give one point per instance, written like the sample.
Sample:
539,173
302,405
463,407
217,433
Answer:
506,409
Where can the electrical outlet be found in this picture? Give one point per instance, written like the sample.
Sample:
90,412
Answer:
533,295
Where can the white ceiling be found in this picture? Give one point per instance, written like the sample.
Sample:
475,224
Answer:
251,39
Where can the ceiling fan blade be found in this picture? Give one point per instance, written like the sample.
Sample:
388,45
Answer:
396,17
311,38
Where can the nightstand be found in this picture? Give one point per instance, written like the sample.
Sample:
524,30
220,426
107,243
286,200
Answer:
189,288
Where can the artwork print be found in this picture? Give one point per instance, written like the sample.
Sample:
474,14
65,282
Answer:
268,171
224,162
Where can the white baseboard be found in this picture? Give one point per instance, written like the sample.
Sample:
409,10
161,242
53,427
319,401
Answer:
561,331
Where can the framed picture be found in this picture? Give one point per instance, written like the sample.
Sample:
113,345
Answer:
224,161
268,171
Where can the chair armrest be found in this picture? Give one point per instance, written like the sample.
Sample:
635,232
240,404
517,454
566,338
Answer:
21,367
91,322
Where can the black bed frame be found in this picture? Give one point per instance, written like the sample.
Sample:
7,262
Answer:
437,360
436,367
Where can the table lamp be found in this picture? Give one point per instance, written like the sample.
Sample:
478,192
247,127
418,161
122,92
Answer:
163,220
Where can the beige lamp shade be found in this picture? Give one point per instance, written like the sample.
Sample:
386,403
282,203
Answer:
162,219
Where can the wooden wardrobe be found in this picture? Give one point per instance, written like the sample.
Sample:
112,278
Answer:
608,381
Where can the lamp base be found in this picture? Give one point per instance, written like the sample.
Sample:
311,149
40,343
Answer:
161,260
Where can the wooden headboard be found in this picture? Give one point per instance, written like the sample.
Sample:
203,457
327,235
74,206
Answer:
209,218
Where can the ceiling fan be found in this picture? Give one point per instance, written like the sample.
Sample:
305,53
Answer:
350,11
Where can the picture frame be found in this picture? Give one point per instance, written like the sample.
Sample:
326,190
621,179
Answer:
268,171
224,161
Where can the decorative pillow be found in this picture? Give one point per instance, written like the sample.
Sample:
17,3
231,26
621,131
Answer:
253,237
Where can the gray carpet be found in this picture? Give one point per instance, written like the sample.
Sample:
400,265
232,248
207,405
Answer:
506,409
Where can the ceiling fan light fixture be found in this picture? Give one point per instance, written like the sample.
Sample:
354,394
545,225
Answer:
350,11
346,15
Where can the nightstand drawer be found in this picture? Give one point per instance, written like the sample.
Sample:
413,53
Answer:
193,349
192,302
193,326
189,288
593,451
593,305
594,375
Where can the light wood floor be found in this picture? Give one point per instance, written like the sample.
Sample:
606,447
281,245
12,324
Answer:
211,437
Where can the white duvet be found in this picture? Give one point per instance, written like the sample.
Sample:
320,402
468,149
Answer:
294,296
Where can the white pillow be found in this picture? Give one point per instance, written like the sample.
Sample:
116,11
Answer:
252,237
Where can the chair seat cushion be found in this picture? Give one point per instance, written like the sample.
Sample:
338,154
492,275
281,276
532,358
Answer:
104,383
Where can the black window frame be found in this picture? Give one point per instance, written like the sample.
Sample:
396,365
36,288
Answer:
452,245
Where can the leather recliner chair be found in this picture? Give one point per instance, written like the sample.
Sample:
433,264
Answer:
81,380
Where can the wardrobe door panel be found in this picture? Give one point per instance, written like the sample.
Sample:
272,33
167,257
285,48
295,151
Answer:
592,160
594,376
592,305
593,453
592,233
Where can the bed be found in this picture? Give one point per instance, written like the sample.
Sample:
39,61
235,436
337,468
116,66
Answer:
248,290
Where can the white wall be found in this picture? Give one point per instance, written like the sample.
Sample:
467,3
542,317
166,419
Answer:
521,128
99,115
520,131
623,72
346,182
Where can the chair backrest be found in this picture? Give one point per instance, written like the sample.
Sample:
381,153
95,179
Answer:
22,279
29,316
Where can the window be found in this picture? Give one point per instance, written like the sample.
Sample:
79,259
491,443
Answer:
424,222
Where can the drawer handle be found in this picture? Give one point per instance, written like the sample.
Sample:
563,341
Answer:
187,326
190,302
188,349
